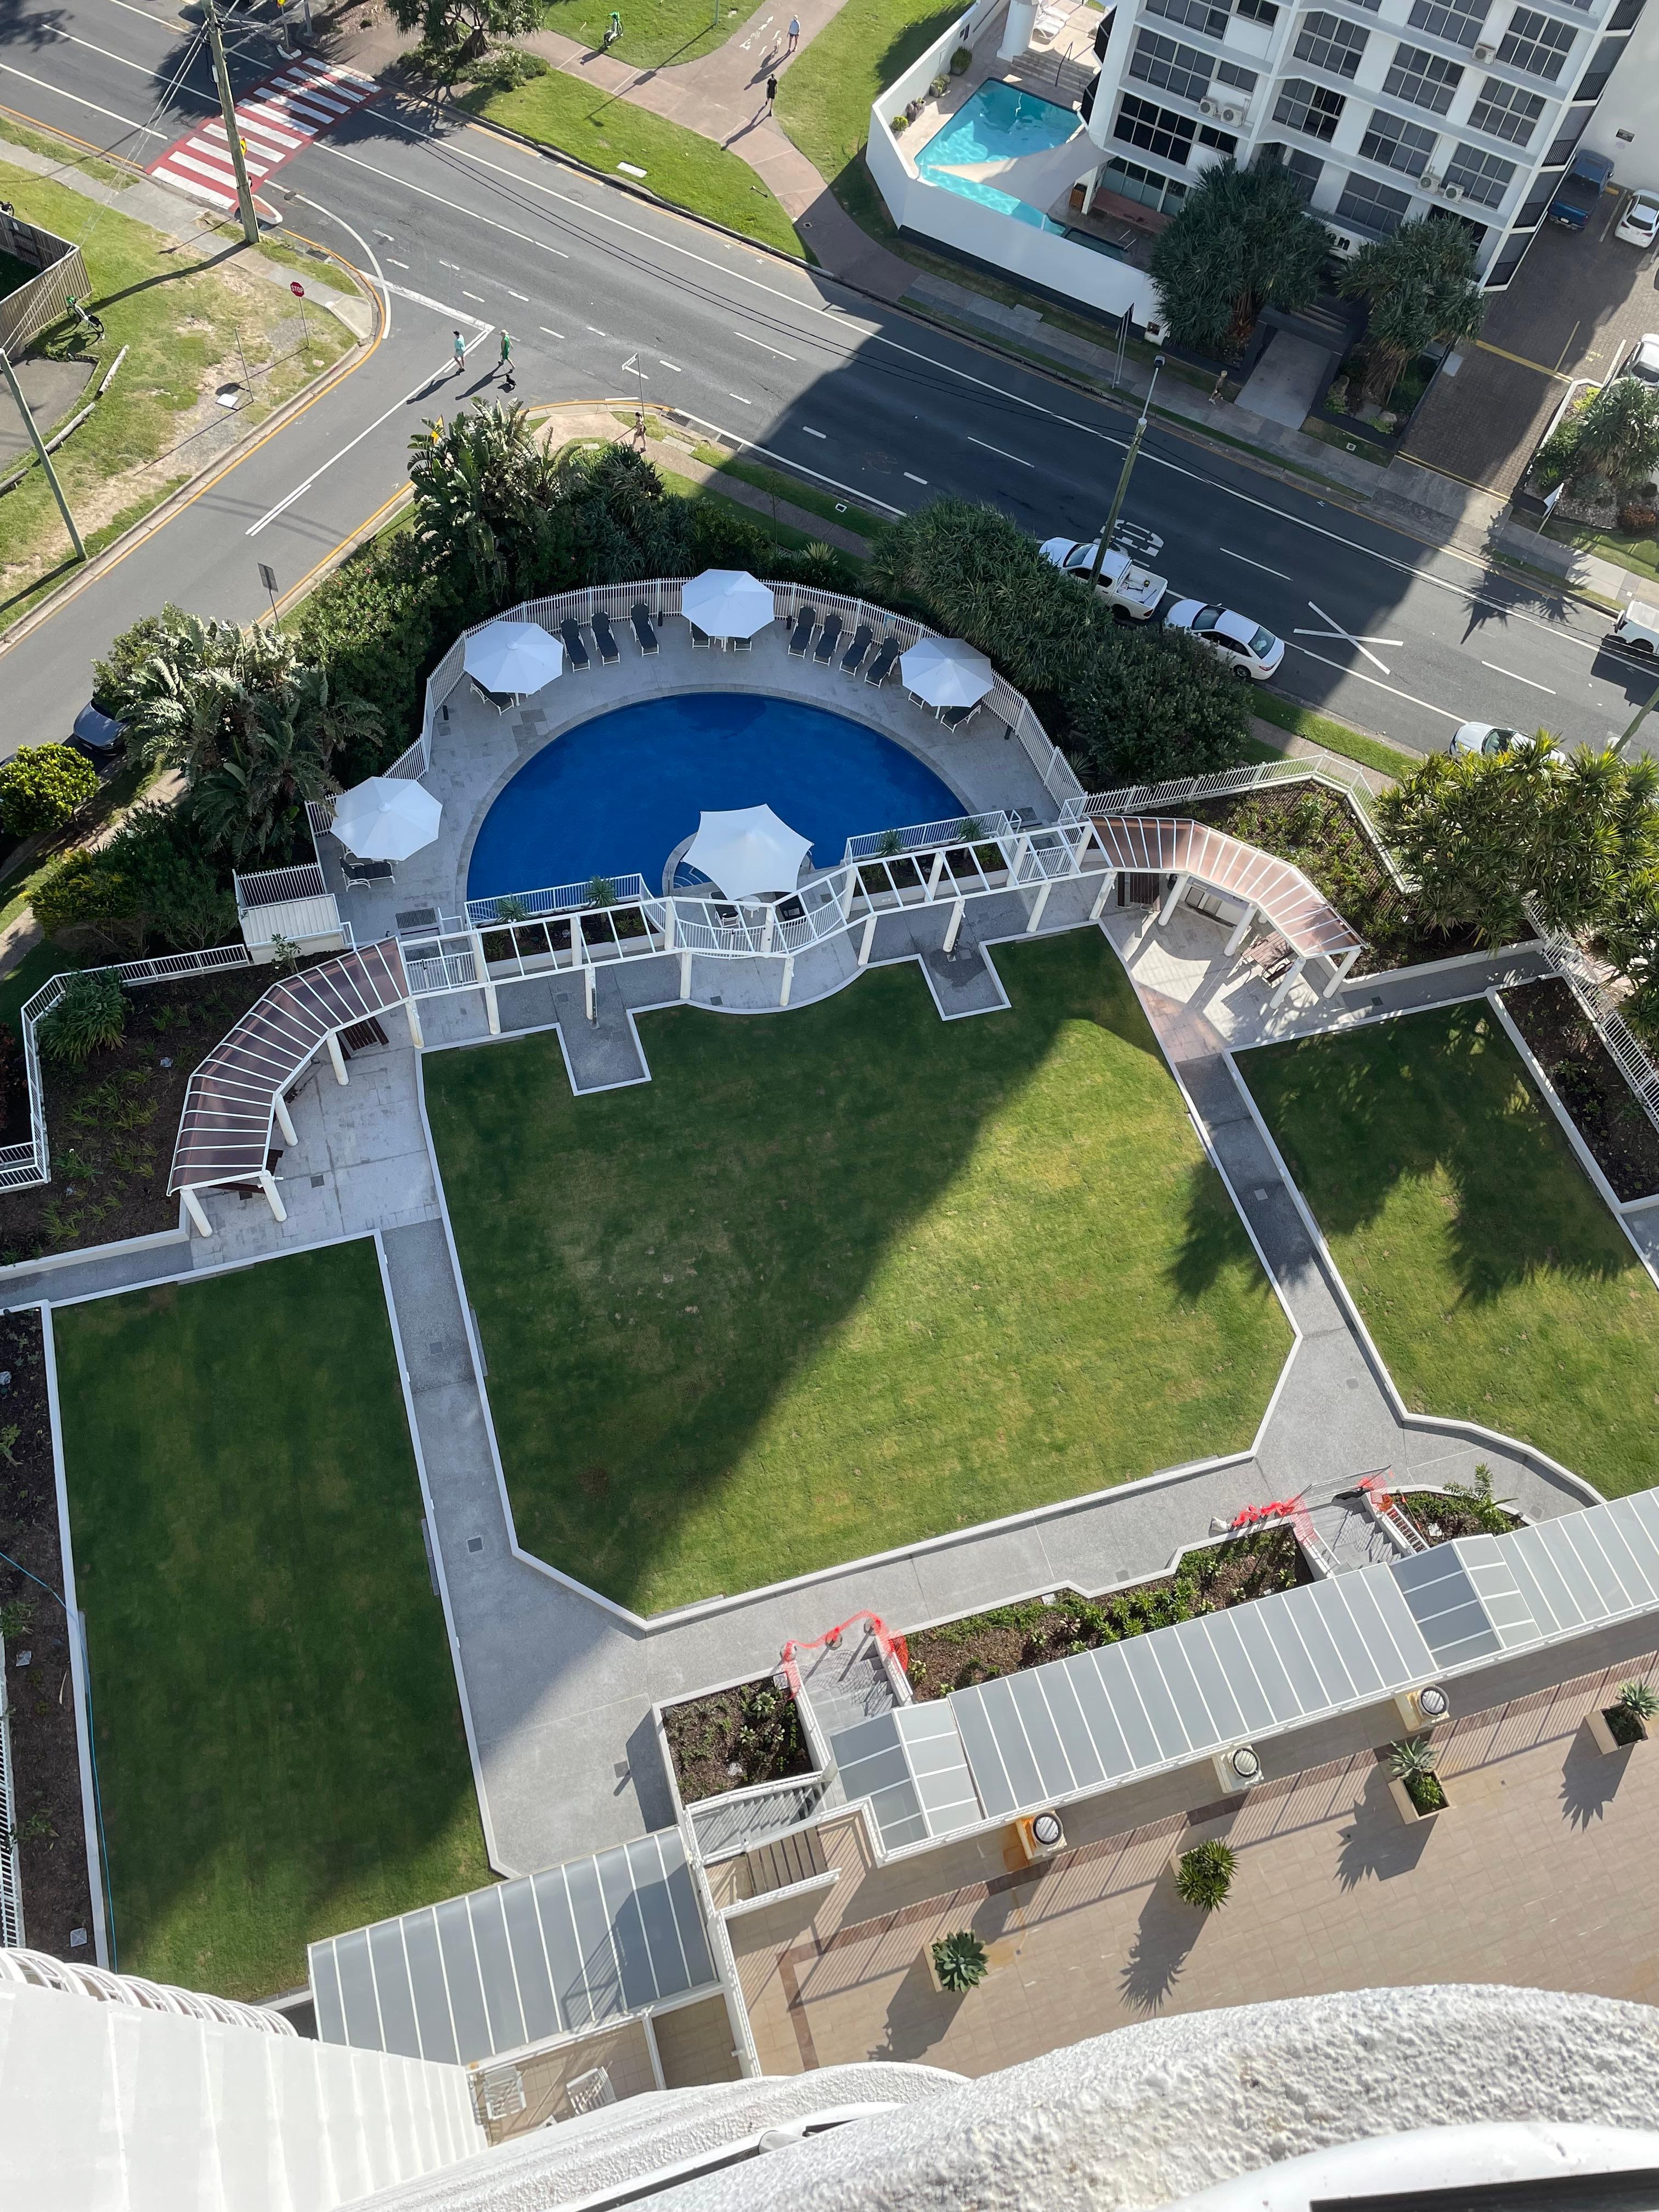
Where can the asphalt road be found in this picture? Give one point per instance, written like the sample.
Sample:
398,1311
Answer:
462,228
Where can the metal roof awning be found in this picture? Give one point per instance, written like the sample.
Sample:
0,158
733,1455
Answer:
547,1954
910,1763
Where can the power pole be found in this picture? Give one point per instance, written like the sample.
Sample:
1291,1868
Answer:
45,458
228,110
1637,720
1124,474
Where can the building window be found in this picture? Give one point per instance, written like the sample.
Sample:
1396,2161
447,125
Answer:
1304,170
1222,141
1625,16
1603,62
1308,107
1154,130
1243,81
1423,78
1573,126
1482,177
1507,263
1396,143
1264,11
1169,65
1196,15
1461,26
1330,44
1535,43
1373,207
1503,111
1131,182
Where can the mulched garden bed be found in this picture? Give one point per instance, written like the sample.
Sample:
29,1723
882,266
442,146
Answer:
734,1740
1314,828
111,1124
1606,1111
983,1645
1442,1516
45,1768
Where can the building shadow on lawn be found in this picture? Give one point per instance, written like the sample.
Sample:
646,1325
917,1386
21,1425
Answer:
1360,1114
838,1280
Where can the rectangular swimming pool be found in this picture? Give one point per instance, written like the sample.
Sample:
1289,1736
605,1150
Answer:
999,124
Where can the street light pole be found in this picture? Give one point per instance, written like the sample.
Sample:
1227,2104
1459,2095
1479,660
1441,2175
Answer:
1124,474
228,110
1637,720
45,458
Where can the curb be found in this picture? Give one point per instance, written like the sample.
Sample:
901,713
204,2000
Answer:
158,517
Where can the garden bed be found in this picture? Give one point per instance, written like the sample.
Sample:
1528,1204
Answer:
110,1125
45,1759
1443,1516
1604,1110
983,1645
1315,828
734,1740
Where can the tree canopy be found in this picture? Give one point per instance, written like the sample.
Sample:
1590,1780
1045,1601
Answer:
1418,285
1241,241
1609,442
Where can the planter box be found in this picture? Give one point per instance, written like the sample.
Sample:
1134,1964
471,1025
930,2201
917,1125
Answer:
932,1976
1408,1811
1602,1736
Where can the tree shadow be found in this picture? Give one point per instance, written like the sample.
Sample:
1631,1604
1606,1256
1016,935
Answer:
1589,1780
1380,1845
918,2016
1158,1958
37,28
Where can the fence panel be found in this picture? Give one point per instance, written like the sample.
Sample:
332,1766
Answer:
1597,1004
11,1895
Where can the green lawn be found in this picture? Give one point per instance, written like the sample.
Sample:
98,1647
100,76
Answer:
825,93
1496,1284
279,1738
655,33
1335,736
679,165
845,1278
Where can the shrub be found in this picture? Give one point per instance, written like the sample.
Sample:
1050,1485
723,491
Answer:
900,123
151,888
89,1018
1206,1875
1413,1765
940,85
505,69
1628,1715
41,786
1494,1516
961,1961
962,61
1636,520
601,891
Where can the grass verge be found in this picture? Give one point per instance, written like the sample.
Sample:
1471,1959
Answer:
279,1740
656,33
680,167
1496,1284
1335,736
1639,555
842,1280
825,94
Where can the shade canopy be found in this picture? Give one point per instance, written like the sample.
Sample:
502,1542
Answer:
513,658
387,818
945,673
747,851
727,603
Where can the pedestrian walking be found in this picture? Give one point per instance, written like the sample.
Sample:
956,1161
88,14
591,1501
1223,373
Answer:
639,438
771,94
460,353
613,30
795,32
508,381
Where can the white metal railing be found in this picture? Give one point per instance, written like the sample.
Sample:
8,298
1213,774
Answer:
23,1166
871,844
278,886
558,898
725,1825
11,1895
1600,1008
308,922
37,1969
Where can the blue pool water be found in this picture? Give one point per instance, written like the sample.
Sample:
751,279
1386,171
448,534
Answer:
619,793
999,123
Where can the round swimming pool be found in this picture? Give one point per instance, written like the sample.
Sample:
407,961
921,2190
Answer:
616,795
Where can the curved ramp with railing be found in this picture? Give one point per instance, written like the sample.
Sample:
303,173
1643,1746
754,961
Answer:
1170,845
38,1970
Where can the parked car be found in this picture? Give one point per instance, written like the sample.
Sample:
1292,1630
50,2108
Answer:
1485,737
1579,193
1637,629
1639,224
1251,652
1127,584
1643,359
100,737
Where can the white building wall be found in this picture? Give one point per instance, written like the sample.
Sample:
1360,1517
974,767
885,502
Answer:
1626,126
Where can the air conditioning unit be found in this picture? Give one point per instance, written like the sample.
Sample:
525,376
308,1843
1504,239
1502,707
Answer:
1208,107
1429,179
1484,53
1451,191
1231,114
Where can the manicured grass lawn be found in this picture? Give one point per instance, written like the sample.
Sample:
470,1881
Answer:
654,32
279,1737
680,166
1496,1284
846,1276
1335,736
1639,555
825,95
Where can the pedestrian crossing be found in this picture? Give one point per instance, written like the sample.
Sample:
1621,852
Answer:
277,120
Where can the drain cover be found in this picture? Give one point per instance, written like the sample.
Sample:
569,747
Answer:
475,1543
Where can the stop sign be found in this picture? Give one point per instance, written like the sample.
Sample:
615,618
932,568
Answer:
298,289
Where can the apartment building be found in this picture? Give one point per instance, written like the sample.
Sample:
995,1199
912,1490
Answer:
1382,110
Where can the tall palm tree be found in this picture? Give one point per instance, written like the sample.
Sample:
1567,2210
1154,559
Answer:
250,801
1420,287
484,490
1241,241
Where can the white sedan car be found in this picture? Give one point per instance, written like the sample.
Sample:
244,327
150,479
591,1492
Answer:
1639,224
1643,361
1136,590
1253,653
1485,737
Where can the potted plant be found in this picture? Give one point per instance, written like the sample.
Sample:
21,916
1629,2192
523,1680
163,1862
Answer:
1203,1874
1415,1787
957,1963
1625,1721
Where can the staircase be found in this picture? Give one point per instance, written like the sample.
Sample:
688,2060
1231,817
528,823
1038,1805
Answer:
781,1864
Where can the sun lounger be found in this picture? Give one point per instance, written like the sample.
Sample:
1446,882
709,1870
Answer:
645,635
575,651
359,874
700,637
605,638
885,662
954,718
852,659
740,645
801,636
828,638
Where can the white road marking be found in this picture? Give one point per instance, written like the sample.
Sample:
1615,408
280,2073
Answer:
58,93
914,479
1511,673
741,401
450,264
674,365
762,344
391,264
1281,573
594,327
420,298
1359,644
1428,705
808,431
546,333
478,296
1000,450
801,468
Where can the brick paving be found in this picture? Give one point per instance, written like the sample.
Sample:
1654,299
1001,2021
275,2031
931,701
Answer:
1537,1875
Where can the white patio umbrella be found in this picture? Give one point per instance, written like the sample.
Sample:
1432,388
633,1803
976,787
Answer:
513,658
748,851
945,673
387,818
727,603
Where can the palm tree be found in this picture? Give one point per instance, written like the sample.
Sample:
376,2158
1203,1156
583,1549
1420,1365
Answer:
1420,287
484,490
1242,241
250,802
1611,440
195,691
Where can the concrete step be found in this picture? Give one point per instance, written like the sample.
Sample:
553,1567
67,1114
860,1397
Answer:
789,1860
